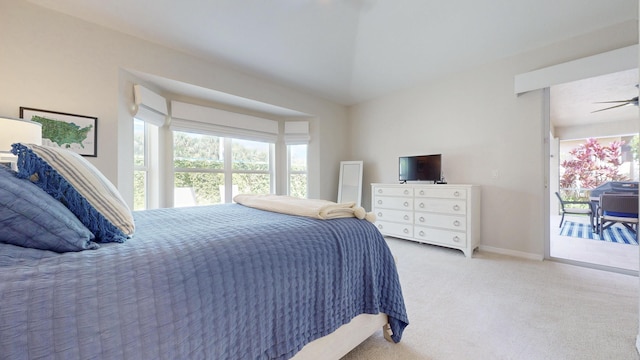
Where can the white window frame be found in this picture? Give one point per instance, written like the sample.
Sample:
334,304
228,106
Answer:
151,165
291,172
296,132
151,108
145,167
227,170
271,171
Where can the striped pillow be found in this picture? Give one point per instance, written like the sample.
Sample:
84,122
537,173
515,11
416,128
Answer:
72,180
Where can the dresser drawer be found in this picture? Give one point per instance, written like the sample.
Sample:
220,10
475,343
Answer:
394,215
453,222
445,193
445,206
393,191
398,203
395,229
438,236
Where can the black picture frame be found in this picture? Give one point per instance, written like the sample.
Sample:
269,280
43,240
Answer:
79,133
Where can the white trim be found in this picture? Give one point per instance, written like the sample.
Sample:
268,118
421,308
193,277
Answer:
514,253
600,64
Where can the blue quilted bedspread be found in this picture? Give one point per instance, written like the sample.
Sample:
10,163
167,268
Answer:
217,282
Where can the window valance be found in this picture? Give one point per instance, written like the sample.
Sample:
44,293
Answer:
151,107
211,121
296,132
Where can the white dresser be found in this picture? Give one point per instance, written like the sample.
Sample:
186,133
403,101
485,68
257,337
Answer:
440,214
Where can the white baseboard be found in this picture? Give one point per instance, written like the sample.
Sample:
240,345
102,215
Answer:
519,254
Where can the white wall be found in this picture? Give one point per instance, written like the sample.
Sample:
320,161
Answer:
486,134
56,62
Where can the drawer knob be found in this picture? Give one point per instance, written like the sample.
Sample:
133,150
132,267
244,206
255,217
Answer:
421,205
379,214
379,202
421,219
456,194
421,192
456,207
456,223
380,226
406,192
379,191
456,239
406,204
406,217
406,231
421,233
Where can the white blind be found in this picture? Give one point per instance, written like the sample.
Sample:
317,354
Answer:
152,108
207,120
296,132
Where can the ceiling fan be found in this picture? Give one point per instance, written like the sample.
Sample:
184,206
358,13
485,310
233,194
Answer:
632,101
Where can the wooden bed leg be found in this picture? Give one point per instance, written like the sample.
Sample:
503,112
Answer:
387,332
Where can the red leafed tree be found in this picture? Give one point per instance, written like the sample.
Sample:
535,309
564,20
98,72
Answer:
592,165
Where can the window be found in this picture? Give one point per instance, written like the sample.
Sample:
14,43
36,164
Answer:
151,114
297,170
145,165
140,165
251,166
204,166
296,137
198,162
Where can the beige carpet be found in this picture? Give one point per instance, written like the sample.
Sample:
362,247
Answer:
500,307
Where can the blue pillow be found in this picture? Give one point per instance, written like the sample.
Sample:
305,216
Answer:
78,185
29,217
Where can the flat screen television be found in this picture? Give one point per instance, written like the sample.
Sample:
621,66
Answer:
420,168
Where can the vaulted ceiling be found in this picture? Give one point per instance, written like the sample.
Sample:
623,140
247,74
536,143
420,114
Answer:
349,51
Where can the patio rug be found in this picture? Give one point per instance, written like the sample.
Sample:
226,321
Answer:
616,233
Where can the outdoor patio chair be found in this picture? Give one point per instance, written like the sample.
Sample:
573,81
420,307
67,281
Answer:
565,209
618,208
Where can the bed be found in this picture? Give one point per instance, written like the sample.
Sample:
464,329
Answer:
215,282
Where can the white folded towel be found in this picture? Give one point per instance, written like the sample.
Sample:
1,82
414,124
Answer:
315,208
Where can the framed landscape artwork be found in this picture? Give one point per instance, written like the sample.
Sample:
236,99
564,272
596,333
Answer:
77,133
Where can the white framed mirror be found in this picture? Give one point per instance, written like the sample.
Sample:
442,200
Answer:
350,183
